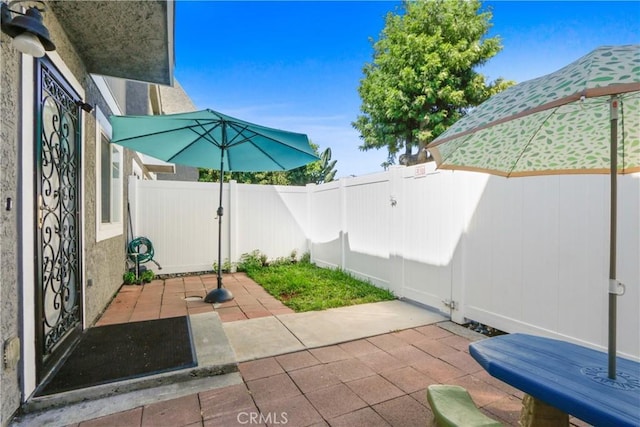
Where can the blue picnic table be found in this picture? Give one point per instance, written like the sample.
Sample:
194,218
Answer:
569,377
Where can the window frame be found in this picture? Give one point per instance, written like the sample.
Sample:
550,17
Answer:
107,230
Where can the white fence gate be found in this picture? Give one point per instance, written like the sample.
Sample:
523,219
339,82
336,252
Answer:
526,254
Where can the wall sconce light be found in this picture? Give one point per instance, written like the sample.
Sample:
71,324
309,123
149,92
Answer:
29,34
86,107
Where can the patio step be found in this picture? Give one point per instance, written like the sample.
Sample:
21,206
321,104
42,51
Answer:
214,354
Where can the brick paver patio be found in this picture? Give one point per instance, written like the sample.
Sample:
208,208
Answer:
182,296
377,381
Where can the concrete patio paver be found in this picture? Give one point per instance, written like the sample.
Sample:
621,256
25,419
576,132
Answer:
335,400
363,320
223,400
132,418
294,411
256,338
408,379
260,368
404,411
309,378
320,394
362,417
277,387
182,411
374,389
349,369
182,296
314,378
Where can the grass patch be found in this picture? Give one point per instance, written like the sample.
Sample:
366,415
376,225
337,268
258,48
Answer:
303,286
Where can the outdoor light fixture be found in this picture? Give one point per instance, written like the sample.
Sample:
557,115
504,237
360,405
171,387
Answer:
86,107
29,34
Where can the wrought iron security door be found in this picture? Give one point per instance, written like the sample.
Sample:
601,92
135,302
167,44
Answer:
58,259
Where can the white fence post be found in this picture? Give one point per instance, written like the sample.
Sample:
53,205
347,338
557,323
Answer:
310,231
344,232
233,223
458,284
398,204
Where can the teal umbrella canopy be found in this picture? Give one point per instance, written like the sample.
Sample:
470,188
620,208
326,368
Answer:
208,139
212,140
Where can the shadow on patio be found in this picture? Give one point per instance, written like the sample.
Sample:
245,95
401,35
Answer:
378,380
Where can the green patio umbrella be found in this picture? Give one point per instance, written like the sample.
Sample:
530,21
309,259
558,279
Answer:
208,139
581,119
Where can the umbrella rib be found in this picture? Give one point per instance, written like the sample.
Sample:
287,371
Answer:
206,136
553,112
524,149
240,130
445,159
207,133
268,155
264,136
151,134
247,139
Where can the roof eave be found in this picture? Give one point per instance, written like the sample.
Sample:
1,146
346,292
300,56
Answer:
133,40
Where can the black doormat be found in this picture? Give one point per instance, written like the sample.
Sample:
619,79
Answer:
112,353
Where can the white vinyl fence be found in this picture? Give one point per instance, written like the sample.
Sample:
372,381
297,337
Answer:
520,254
181,221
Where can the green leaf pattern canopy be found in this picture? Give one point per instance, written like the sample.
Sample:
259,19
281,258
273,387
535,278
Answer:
569,121
555,124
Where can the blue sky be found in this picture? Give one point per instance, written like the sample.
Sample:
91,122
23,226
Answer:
296,65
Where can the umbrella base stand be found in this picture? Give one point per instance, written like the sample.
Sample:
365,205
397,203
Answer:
218,295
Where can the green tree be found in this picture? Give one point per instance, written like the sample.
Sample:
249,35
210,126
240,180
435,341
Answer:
422,78
328,171
265,178
317,172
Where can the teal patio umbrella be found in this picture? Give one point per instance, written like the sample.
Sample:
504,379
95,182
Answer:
212,140
581,119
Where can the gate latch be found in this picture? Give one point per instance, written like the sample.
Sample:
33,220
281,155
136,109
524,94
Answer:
453,305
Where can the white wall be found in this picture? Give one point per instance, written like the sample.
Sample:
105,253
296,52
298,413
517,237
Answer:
520,254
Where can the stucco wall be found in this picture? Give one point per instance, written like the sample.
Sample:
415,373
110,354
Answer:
104,260
9,128
183,173
137,98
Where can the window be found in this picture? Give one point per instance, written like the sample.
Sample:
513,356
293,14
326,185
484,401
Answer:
109,182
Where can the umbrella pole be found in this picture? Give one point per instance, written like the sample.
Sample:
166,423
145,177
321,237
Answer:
220,294
220,212
613,283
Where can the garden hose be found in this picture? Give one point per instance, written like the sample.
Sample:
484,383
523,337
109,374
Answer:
134,250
